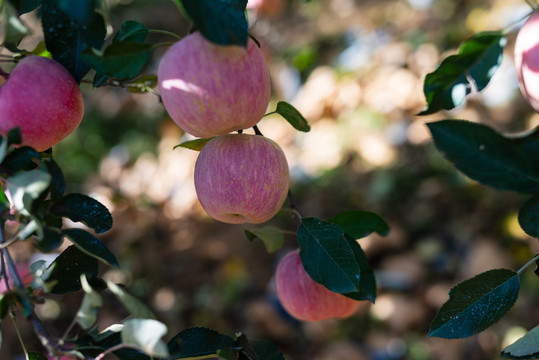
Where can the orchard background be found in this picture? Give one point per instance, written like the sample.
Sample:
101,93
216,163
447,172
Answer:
355,70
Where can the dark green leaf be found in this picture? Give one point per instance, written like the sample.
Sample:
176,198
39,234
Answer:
488,157
70,28
121,60
293,116
20,158
24,6
131,31
100,79
477,60
36,356
527,347
14,136
367,281
222,22
265,350
25,187
6,301
79,207
14,29
197,341
246,348
4,202
359,224
271,236
327,256
49,239
476,304
528,217
91,245
58,183
196,144
65,271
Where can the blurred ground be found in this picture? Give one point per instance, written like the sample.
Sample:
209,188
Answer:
355,70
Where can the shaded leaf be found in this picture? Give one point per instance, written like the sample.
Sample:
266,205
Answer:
367,281
271,236
145,335
91,245
25,187
359,224
477,61
327,256
488,157
528,217
36,356
135,307
121,60
527,347
14,29
65,271
70,28
476,304
265,350
198,341
20,158
196,144
58,183
131,31
14,136
48,238
221,22
293,116
79,207
87,314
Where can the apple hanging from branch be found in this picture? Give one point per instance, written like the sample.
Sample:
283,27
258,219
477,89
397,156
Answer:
527,60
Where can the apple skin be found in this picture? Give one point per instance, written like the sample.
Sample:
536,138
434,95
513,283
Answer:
527,60
210,90
241,178
43,99
305,299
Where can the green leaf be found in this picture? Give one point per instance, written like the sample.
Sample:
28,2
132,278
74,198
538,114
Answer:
14,29
327,256
265,350
58,183
367,281
36,356
14,136
488,157
25,6
25,187
135,307
198,342
476,304
4,202
477,61
20,158
528,217
70,28
293,116
48,238
196,144
271,236
87,314
131,31
121,60
64,273
91,245
79,207
221,22
6,301
359,224
145,335
527,347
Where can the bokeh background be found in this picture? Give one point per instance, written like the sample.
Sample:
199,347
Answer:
355,70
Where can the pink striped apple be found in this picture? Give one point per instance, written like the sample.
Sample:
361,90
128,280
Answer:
305,299
527,60
209,89
43,99
241,178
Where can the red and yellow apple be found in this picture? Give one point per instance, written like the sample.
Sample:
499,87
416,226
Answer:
241,178
527,60
210,89
43,100
305,299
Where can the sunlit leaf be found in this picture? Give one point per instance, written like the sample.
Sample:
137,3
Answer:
87,314
488,157
145,335
14,29
293,116
476,304
25,187
527,347
196,144
271,236
135,307
477,61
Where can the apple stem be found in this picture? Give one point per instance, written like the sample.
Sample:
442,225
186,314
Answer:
257,131
164,32
293,205
240,131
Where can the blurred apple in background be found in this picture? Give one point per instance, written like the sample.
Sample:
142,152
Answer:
527,60
241,178
43,99
25,274
269,8
210,90
305,299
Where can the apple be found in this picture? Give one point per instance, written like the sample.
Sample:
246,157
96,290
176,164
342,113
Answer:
241,178
527,60
43,100
267,7
210,89
305,299
25,274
